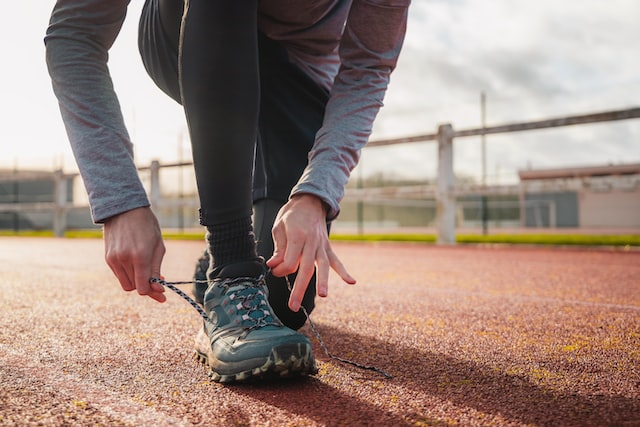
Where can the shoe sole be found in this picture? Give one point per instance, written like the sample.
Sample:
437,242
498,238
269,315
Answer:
285,361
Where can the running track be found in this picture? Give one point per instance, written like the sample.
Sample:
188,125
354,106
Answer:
471,335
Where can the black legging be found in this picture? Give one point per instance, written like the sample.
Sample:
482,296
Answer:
292,112
220,91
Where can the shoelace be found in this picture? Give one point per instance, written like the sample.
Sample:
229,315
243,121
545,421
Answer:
250,302
203,314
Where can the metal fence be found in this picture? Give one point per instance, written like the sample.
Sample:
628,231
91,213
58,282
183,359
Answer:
444,192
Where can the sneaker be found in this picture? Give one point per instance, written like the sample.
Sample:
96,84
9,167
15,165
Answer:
244,339
278,294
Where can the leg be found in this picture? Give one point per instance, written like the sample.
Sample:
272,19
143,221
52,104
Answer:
219,88
291,112
158,38
219,85
207,59
219,120
265,212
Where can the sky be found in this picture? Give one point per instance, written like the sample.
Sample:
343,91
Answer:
532,59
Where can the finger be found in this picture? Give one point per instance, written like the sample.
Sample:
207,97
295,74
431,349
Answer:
149,289
279,247
339,268
290,260
156,262
145,287
126,284
293,256
120,272
158,296
156,286
305,272
322,274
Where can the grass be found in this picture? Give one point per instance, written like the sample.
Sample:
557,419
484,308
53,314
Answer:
513,239
526,239
94,234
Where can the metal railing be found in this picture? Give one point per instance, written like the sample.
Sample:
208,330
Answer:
444,192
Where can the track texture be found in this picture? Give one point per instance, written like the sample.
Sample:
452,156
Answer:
472,336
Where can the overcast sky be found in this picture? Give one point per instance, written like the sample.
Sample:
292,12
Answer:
533,59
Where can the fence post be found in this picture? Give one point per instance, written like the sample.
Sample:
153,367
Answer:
60,202
522,206
154,190
154,187
445,199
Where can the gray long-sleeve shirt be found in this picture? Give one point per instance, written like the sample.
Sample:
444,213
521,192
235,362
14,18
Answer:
348,46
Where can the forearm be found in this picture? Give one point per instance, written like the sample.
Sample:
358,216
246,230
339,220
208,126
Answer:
369,51
77,43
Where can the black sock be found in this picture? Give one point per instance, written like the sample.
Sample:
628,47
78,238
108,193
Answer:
232,249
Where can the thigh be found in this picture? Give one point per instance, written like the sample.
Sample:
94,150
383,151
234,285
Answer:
292,108
171,12
158,35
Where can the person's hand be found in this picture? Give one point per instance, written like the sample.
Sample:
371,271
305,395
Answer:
134,250
301,243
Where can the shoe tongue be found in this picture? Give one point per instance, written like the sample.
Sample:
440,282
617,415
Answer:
252,268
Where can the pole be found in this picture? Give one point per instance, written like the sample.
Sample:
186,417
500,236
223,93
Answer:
16,196
181,185
483,198
155,193
360,206
446,203
60,210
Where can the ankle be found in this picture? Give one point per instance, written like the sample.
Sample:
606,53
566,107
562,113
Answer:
248,268
231,243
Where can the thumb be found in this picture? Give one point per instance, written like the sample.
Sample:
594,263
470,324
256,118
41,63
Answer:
155,286
156,263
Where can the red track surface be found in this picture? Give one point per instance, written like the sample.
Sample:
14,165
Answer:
472,336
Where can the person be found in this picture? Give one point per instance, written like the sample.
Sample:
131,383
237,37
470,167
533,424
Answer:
279,97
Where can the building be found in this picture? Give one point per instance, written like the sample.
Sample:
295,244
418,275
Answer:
585,197
29,199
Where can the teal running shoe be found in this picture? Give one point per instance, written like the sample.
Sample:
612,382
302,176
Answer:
244,339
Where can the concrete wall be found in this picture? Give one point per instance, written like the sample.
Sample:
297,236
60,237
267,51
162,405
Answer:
613,208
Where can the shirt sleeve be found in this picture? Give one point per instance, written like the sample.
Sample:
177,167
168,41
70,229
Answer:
369,50
78,39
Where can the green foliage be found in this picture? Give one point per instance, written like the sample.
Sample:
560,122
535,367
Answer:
556,239
527,239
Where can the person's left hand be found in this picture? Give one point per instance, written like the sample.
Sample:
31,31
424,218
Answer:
301,242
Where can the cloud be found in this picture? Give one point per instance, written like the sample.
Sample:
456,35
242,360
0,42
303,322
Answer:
533,60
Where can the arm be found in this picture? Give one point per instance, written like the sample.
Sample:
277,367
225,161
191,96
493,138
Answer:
78,39
369,51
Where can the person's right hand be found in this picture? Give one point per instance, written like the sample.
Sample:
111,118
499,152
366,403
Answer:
134,250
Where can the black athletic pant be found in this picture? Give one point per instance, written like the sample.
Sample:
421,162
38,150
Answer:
237,87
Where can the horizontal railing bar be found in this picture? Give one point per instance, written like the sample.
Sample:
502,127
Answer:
607,116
